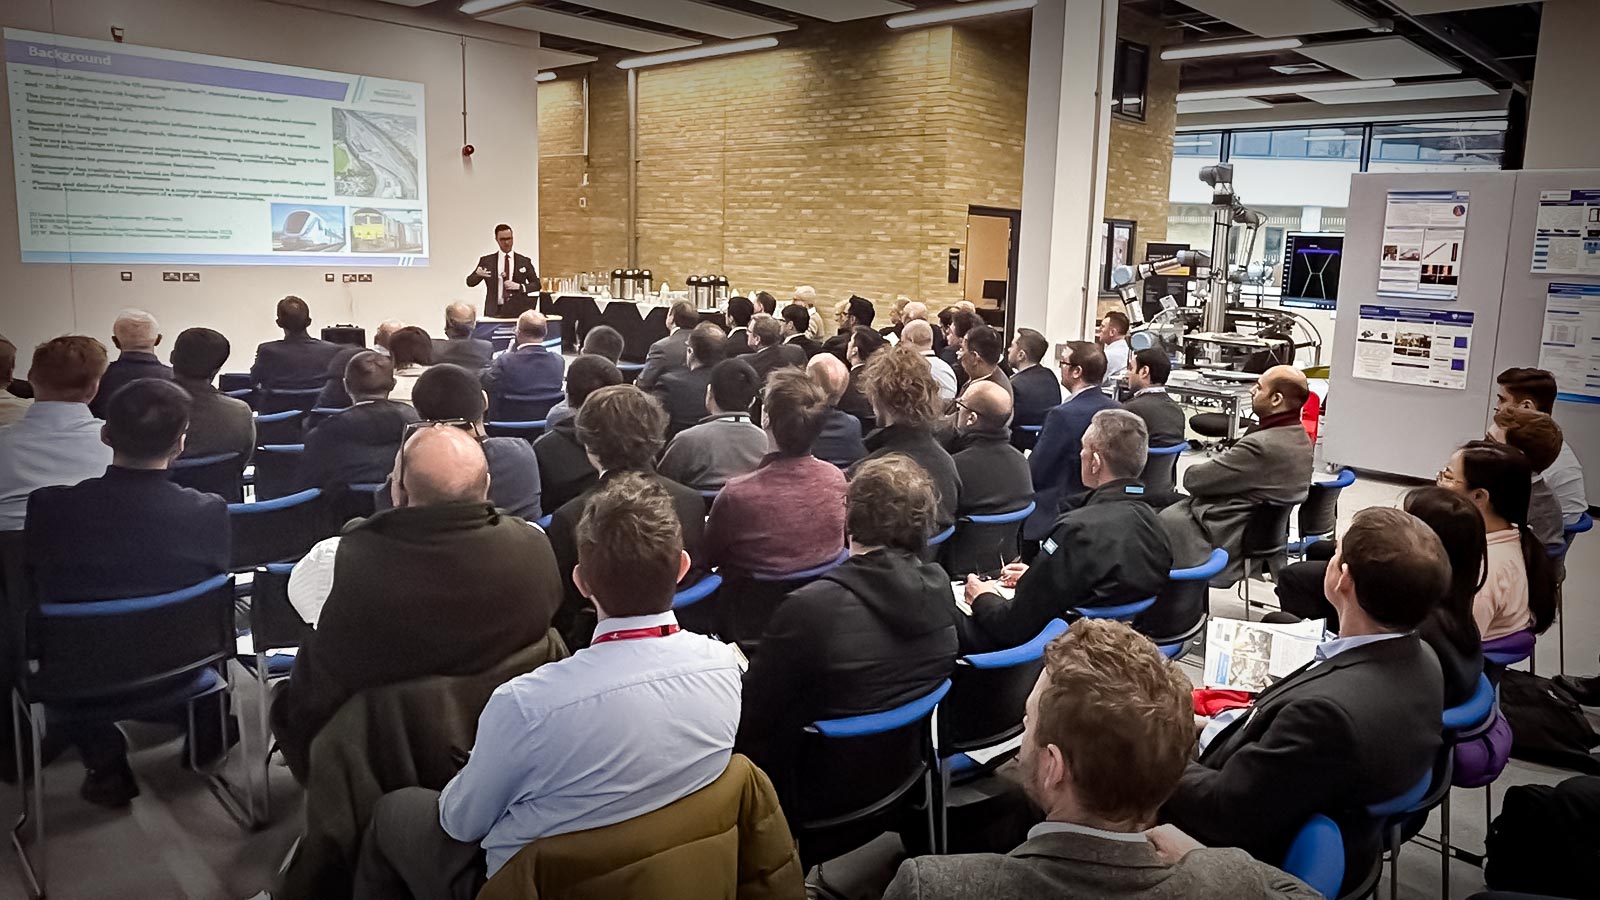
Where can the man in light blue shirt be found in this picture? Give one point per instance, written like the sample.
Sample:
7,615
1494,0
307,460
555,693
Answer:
644,716
57,441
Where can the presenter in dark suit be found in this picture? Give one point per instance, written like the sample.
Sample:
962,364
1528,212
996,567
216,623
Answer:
511,285
1055,463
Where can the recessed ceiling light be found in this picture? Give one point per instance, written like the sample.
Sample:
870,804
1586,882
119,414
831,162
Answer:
701,52
1205,49
1280,88
545,76
955,13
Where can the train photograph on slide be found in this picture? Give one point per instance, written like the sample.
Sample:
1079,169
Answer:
385,230
313,228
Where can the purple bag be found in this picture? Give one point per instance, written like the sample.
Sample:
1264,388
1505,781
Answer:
1481,755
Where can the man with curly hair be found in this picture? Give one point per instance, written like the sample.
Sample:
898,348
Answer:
905,400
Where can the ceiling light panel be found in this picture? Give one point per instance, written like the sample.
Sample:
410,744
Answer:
1284,18
586,28
1429,7
1438,90
691,15
1387,57
940,14
1209,49
1280,88
840,10
1222,105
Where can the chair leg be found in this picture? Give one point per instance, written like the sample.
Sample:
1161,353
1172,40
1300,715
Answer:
1561,631
942,845
1444,847
35,876
242,809
266,736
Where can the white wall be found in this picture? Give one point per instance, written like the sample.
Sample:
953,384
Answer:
1563,130
465,198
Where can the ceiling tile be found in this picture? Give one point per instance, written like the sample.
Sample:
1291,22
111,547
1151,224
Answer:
1385,57
691,15
840,10
1226,105
1429,7
587,28
1284,18
1467,87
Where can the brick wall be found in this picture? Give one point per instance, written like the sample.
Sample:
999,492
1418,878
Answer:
845,159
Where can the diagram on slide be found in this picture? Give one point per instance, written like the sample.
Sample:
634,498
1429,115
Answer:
374,155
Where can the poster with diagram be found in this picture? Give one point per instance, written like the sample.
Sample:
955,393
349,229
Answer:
1569,349
1402,345
1424,234
1566,238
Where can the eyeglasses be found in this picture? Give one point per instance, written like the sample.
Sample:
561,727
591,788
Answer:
1446,477
414,427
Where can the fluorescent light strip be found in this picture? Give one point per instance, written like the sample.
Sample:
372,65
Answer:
1274,90
545,76
1194,143
475,7
957,13
1205,49
701,52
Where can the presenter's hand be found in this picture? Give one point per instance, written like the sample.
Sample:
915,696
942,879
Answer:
513,286
481,272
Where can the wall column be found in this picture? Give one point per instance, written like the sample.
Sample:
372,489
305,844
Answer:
1064,165
1563,131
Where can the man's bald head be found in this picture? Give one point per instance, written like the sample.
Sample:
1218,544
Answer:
135,329
917,333
459,318
915,311
532,327
1281,389
386,330
988,406
830,374
439,465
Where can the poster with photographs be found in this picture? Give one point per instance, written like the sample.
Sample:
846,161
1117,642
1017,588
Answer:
1424,235
1428,347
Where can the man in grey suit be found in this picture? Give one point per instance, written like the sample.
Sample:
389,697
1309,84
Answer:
459,347
1269,465
671,352
1108,733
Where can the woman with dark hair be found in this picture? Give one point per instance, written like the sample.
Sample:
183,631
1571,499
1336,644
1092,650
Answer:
412,352
1450,628
1519,589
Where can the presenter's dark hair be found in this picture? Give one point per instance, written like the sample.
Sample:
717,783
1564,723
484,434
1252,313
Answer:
200,353
630,546
501,227
1157,361
740,309
798,317
987,343
293,314
733,385
145,418
588,374
411,346
448,392
603,340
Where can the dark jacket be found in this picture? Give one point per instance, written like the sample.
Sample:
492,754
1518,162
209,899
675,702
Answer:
564,469
424,590
920,445
855,400
527,371
1055,462
737,343
217,423
469,353
874,633
670,354
1036,390
127,533
522,272
513,478
333,395
132,365
1333,738
994,475
1162,416
840,441
1105,551
355,446
682,393
297,362
768,359
805,344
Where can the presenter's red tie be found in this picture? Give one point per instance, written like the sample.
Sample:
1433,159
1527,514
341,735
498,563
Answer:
505,275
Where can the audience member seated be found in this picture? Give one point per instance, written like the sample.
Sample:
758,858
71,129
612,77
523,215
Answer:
528,369
1357,726
796,319
450,394
906,400
874,633
136,335
805,297
296,362
740,311
864,344
644,716
1449,628
386,596
217,423
412,352
1519,589
853,313
1113,338
1147,378
130,532
357,445
787,515
840,442
981,353
671,353
897,320
1539,438
682,392
12,407
621,429
1535,389
1108,731
1269,464
564,467
918,335
333,394
994,475
1106,548
57,441
726,443
1054,460
766,303
768,352
602,341
1036,388
459,347
961,320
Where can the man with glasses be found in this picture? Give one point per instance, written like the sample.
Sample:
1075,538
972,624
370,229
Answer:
1055,459
994,474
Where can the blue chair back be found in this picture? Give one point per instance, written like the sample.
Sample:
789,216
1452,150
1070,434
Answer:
1182,606
1475,711
1316,856
988,693
1121,613
277,470
1161,468
930,552
1585,523
983,543
317,416
274,624
1319,513
357,501
104,648
747,602
285,427
278,530
696,592
272,400
218,473
528,431
521,408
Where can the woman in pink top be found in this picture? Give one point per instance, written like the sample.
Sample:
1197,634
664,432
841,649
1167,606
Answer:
1518,591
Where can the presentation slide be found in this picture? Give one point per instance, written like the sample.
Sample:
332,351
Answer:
131,154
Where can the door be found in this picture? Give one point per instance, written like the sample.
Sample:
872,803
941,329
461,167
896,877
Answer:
990,274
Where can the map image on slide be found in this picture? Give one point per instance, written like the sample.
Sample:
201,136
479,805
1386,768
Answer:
374,155
315,228
385,230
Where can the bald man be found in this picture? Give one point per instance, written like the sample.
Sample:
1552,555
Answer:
136,334
459,347
994,475
840,442
1270,464
918,335
529,369
397,609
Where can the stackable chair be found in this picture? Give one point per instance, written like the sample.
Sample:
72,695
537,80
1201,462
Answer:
1316,856
1265,541
747,604
274,625
1319,512
529,431
1568,535
1189,590
522,407
983,543
930,553
282,427
1161,468
273,400
217,473
277,470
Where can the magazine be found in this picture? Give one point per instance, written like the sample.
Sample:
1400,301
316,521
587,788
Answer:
1248,656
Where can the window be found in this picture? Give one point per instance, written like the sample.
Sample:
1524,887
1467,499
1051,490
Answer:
1207,145
1116,238
1437,146
1129,75
1332,142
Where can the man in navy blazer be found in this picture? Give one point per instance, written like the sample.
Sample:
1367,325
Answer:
1054,462
510,282
1035,386
298,361
136,334
528,370
129,533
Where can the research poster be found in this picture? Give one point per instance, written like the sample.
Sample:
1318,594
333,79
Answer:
1413,346
1570,346
129,154
1424,234
1566,239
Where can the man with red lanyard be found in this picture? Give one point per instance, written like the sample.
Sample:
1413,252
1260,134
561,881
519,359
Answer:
511,284
642,717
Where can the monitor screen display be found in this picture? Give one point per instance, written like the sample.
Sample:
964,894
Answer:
1311,265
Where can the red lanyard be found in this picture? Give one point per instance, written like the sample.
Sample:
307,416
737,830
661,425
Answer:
634,634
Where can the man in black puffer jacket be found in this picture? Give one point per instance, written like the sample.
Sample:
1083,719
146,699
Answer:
871,635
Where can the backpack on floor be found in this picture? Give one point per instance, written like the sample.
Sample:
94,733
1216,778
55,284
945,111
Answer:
1546,726
1546,840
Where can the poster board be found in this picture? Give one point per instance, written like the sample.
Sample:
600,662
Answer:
1566,235
1424,244
1570,346
1407,345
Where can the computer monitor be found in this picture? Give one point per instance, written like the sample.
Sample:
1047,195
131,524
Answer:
1311,264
